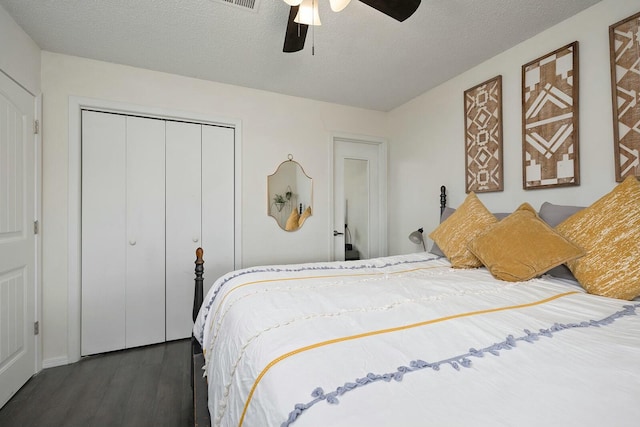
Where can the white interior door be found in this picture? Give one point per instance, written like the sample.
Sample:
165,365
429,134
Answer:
17,240
184,223
359,199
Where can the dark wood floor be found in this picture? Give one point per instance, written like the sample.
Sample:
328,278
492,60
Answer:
147,386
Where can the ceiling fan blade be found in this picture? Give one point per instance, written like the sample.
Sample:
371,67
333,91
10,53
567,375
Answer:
296,33
397,9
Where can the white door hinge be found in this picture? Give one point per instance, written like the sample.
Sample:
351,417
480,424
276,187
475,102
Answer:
36,328
36,127
36,227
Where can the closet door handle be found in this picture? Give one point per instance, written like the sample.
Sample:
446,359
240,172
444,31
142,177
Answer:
337,233
132,242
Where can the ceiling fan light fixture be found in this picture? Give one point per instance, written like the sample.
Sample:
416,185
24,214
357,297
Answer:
338,5
293,2
308,13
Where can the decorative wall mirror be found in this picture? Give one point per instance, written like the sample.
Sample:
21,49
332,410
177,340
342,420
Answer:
289,194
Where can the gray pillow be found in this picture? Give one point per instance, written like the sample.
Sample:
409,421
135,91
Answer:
555,214
562,272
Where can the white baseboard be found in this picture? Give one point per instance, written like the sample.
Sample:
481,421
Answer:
55,361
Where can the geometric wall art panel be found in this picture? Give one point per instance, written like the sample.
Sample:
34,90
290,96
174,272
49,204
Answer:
550,143
483,136
624,47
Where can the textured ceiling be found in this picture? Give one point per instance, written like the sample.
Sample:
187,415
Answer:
362,57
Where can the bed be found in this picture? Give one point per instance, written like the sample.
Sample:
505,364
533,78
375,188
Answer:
408,340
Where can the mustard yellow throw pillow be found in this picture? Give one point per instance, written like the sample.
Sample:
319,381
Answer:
522,246
292,221
306,214
609,231
453,234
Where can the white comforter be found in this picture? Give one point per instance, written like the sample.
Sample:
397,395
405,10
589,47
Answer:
409,341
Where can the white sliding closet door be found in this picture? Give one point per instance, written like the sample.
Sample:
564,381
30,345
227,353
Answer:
218,195
183,217
145,296
104,148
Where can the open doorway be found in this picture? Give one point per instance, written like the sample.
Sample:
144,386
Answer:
359,198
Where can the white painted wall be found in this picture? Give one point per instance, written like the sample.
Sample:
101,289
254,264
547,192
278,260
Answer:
272,127
427,133
19,55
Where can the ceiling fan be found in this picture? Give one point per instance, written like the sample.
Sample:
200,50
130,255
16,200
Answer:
305,12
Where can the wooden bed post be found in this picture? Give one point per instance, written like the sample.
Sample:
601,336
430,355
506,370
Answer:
198,292
198,296
201,415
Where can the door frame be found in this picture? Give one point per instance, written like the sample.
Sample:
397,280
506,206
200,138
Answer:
38,236
381,143
76,105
